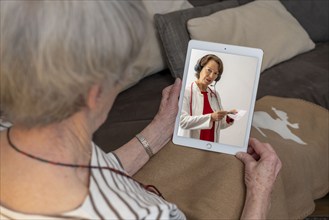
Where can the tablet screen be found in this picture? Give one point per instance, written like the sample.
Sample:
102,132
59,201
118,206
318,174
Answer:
218,96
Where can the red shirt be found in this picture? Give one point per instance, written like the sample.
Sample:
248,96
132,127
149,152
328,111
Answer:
207,134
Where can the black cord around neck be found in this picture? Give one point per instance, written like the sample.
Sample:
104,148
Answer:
149,188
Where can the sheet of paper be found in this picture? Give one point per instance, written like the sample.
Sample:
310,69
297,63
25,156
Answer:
238,115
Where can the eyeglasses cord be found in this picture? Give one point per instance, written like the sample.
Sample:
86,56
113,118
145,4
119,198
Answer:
150,188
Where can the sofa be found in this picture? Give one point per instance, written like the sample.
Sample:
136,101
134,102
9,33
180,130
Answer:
301,75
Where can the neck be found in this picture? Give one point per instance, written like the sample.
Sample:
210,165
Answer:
65,142
202,87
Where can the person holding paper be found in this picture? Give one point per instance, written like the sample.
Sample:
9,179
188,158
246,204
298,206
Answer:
202,114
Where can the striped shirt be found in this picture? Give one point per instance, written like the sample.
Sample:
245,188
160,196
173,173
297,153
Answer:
111,196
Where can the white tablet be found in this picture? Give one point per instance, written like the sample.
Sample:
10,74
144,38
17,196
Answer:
218,96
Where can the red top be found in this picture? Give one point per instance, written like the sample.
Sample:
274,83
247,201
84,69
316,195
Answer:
207,134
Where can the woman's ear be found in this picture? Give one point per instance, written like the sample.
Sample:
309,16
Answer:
94,95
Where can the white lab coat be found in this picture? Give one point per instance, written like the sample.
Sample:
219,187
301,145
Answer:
191,123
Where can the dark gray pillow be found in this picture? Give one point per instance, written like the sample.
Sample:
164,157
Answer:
313,15
174,34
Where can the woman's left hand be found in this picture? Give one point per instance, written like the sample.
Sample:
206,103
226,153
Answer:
166,116
160,130
132,155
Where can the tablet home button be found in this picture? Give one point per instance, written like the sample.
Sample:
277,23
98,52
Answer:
208,146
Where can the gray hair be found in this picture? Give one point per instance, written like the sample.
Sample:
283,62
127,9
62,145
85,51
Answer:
52,52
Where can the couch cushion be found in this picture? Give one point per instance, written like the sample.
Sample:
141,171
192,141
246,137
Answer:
313,15
305,76
260,24
174,36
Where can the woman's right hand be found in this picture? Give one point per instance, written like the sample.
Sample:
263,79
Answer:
262,166
219,115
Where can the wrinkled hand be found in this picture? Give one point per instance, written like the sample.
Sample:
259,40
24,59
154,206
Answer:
168,109
262,166
219,115
132,155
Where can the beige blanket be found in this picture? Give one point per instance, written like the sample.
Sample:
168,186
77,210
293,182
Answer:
208,185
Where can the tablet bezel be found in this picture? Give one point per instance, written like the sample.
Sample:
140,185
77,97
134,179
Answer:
218,48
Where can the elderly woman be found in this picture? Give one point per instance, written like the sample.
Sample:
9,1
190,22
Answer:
62,65
202,114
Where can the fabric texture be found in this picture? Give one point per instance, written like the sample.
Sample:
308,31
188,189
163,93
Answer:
108,199
197,3
210,185
150,58
174,35
163,6
313,15
304,76
260,24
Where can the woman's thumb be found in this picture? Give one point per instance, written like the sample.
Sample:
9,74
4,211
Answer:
244,157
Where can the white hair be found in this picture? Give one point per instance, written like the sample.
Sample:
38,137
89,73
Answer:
52,52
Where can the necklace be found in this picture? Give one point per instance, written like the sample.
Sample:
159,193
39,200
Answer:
149,188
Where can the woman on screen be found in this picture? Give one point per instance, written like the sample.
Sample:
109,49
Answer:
202,114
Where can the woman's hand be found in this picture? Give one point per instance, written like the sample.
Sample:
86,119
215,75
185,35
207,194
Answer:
132,155
219,115
160,130
262,166
166,116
